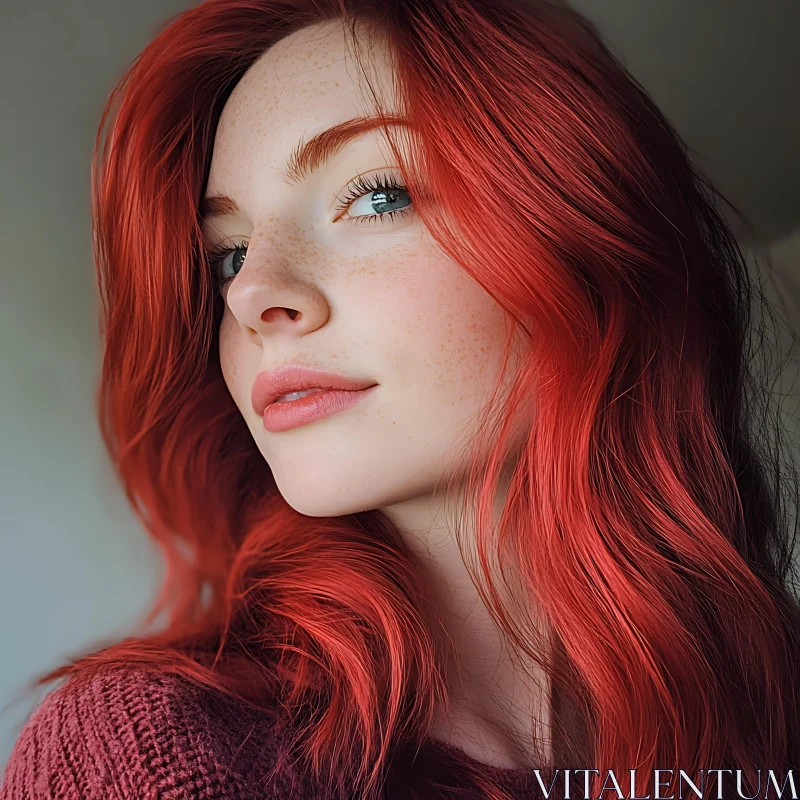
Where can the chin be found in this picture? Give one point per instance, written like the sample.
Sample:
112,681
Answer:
326,492
341,492
312,503
335,472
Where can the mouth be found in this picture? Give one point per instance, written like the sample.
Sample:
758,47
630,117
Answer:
294,409
285,398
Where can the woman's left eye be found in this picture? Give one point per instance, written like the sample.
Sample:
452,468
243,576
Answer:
378,197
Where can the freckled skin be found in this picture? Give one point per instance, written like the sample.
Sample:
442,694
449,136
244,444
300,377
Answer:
377,300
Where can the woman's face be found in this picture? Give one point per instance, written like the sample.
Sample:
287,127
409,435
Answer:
370,298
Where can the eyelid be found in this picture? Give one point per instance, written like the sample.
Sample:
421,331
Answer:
388,174
362,185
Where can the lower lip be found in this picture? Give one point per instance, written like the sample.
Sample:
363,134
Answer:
280,417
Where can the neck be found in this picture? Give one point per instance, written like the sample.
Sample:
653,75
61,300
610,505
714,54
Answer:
497,710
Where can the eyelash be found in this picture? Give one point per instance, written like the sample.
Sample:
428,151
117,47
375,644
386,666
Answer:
357,189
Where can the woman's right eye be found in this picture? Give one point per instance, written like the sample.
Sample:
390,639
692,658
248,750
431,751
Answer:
218,261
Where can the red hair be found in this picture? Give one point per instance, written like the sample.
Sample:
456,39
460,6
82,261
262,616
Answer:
645,513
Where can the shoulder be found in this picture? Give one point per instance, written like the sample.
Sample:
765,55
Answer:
131,732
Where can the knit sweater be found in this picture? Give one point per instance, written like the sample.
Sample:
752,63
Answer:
133,733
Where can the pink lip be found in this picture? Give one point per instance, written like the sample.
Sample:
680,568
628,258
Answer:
296,378
287,414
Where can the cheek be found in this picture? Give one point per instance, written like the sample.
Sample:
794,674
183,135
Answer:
229,355
458,331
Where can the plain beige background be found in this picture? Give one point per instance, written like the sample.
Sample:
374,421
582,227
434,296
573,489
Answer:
74,566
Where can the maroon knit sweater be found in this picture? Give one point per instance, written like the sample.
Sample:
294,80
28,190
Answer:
133,733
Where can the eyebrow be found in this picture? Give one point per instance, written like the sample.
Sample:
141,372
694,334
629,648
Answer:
308,157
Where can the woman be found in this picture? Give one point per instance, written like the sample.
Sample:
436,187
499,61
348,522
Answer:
521,522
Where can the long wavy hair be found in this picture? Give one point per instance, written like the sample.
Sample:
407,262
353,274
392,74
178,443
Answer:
648,511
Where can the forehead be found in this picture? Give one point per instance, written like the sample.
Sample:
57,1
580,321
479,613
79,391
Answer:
304,83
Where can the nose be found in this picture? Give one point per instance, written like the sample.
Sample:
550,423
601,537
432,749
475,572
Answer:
267,304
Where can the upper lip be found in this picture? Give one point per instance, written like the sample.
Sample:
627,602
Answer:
268,386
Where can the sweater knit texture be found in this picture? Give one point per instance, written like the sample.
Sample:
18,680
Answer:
130,733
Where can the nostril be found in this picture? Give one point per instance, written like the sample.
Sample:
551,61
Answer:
274,314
